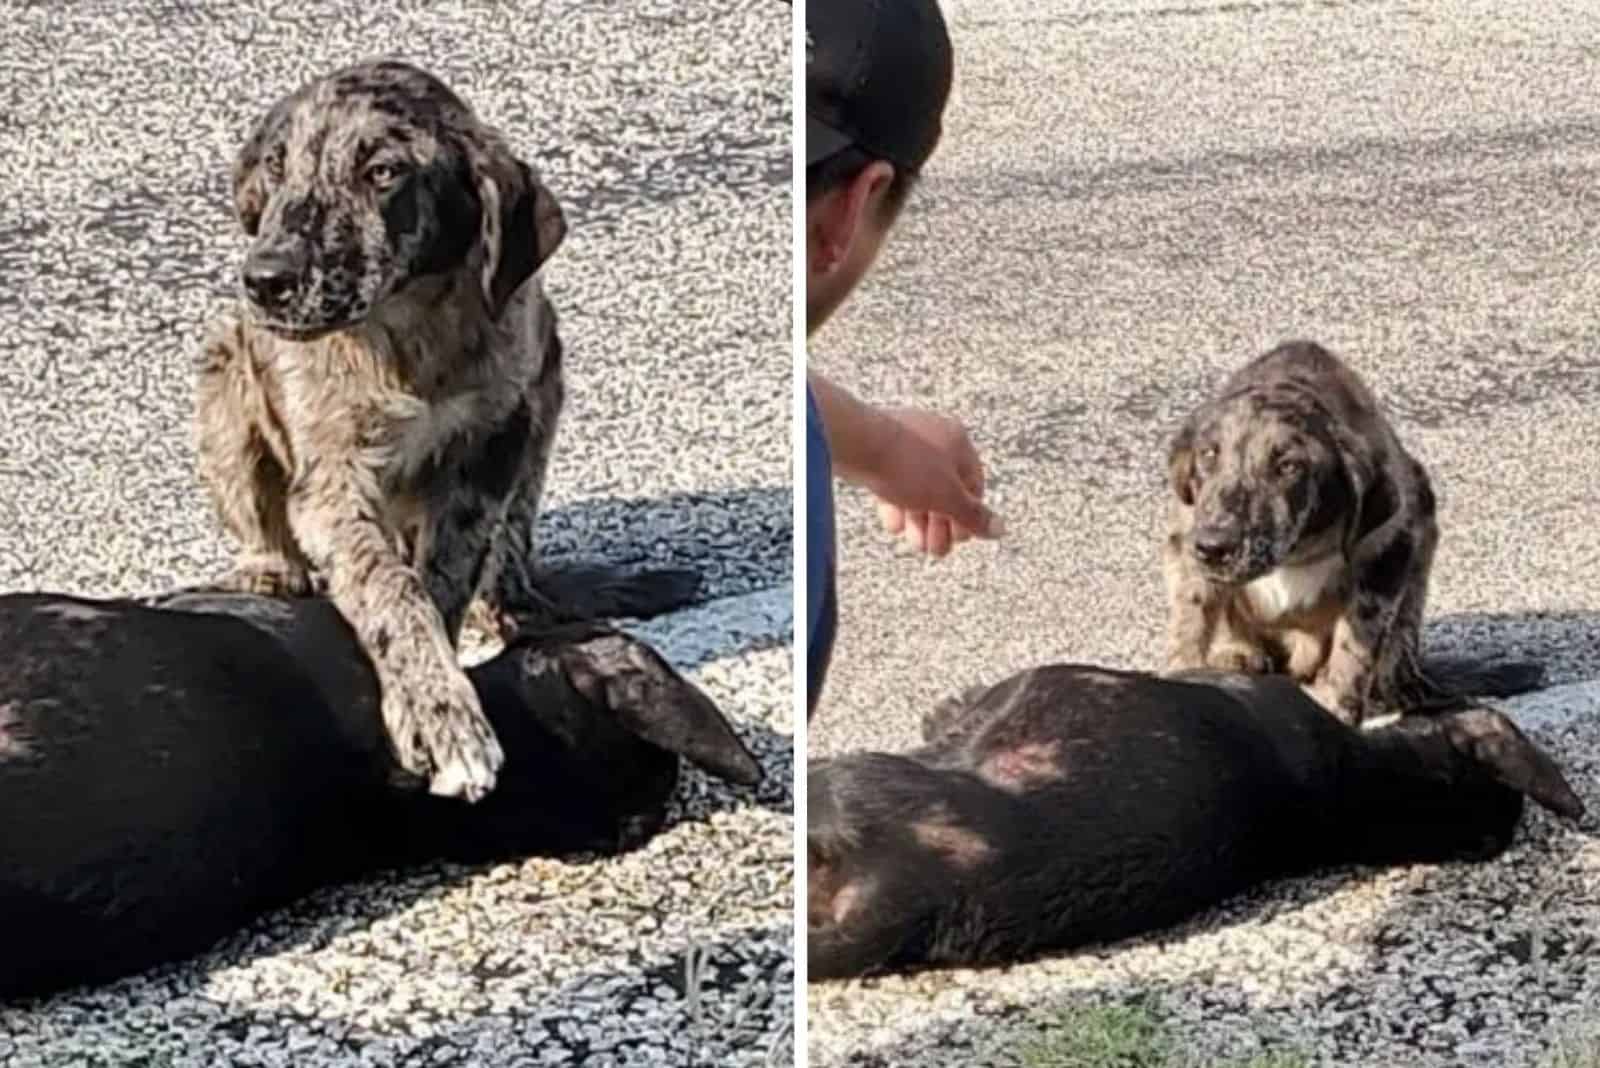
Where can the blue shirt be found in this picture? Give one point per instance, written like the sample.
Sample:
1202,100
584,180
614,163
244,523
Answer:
821,607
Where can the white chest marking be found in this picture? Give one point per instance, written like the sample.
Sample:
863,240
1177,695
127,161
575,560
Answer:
1292,588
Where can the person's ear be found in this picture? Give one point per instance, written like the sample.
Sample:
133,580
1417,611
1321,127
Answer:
840,218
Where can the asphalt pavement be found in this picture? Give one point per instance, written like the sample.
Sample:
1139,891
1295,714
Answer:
1131,200
664,128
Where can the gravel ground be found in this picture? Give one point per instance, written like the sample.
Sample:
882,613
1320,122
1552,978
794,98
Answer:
664,128
1132,199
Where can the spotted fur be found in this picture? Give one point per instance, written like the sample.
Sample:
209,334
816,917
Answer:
1301,539
375,415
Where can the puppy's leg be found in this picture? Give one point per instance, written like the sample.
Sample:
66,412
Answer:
1191,608
431,712
1234,649
241,471
1378,636
459,548
1402,683
1345,683
1374,664
1200,633
508,588
1304,652
485,614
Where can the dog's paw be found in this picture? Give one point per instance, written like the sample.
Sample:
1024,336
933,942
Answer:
437,727
1241,660
267,577
1343,705
489,623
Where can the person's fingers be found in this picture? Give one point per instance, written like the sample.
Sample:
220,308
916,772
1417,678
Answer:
938,537
970,512
916,532
970,470
893,517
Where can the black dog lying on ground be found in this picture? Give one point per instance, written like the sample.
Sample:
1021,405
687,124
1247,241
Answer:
166,774
1071,805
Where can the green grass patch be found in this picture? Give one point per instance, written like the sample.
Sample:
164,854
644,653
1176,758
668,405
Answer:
1124,1036
1128,1036
1575,1050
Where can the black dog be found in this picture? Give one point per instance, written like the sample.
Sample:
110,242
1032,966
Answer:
1070,805
166,774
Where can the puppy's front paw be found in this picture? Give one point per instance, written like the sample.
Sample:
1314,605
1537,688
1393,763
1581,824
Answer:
267,576
1344,706
1240,659
489,623
437,727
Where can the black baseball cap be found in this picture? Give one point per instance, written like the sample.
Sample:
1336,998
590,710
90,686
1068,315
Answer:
877,77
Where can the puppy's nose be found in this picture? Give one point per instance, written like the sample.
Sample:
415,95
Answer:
1215,546
271,278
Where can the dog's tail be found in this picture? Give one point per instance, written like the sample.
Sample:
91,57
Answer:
1453,683
581,594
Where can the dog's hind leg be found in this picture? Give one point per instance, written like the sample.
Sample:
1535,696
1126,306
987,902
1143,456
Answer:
948,714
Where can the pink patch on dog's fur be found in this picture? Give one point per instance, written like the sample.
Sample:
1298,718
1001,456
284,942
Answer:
961,846
1028,765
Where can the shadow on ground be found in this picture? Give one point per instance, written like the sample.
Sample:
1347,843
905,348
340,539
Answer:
1567,643
741,540
709,998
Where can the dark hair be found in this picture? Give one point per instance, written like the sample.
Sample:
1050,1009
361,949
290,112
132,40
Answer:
841,168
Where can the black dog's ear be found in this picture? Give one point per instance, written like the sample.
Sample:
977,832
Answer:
1180,460
1494,743
521,223
653,701
258,165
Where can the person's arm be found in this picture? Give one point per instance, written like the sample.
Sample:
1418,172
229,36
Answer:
920,465
859,434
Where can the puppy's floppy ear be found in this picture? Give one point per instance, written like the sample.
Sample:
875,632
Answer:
257,165
1494,743
654,702
1180,459
521,223
1372,499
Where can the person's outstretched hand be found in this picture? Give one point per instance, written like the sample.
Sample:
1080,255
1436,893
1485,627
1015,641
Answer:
920,465
929,482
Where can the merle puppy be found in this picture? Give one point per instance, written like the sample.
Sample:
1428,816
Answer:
169,773
1301,537
376,413
1070,805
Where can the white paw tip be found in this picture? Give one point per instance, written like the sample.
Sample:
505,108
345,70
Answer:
457,779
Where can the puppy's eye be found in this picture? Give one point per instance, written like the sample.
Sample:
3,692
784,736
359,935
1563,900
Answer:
274,163
1208,456
1290,468
383,175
